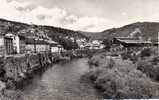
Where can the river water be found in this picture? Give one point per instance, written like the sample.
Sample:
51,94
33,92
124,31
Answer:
62,82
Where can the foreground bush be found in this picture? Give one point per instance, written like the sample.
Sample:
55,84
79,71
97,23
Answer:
146,52
100,61
117,84
150,67
123,80
13,95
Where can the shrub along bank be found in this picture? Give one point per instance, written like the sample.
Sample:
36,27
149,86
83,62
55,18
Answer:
118,78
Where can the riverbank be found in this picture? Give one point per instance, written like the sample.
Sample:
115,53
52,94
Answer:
120,78
61,81
16,70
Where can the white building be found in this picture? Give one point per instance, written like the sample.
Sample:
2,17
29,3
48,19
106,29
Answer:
81,42
54,46
37,46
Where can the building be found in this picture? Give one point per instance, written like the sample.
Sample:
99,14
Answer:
123,44
19,44
6,45
156,44
81,42
131,42
37,46
55,47
95,44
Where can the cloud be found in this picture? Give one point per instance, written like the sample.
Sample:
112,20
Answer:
84,15
8,10
27,13
124,13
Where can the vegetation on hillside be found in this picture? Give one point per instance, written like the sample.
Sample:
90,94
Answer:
147,30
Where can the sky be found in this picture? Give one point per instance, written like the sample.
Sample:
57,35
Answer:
83,15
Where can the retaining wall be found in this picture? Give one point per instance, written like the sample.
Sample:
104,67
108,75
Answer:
14,69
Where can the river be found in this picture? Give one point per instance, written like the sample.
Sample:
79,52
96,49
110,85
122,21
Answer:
62,82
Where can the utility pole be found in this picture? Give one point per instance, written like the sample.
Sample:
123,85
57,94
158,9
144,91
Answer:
158,42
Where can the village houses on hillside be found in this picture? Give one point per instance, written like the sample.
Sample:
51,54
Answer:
95,44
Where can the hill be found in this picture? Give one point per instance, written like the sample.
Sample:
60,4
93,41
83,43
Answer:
90,35
57,34
145,29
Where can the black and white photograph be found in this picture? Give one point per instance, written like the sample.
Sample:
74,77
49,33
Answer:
79,49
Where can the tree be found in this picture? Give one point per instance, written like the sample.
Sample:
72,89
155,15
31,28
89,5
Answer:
107,43
68,44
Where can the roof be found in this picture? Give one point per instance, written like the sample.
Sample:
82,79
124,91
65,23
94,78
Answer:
32,41
21,36
10,35
126,38
51,42
42,42
132,40
157,43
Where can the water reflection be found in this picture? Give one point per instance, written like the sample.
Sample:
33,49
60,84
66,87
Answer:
62,82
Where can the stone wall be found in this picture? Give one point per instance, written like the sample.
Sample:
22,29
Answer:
14,69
